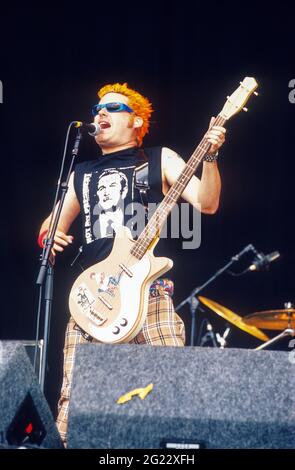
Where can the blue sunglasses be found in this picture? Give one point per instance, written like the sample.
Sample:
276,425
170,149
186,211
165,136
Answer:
111,108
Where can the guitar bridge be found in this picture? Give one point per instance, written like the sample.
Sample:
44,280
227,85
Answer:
94,316
85,300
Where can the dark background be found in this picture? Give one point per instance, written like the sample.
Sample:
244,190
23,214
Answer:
186,60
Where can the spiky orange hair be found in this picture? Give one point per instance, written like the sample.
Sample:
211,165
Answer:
141,106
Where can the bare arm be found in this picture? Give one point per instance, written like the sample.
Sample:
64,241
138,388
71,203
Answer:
204,192
70,211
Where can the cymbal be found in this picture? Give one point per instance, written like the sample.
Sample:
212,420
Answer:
272,319
233,318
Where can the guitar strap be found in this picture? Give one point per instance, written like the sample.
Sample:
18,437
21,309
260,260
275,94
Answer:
141,179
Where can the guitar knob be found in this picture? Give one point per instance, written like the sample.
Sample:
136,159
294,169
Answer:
116,330
123,322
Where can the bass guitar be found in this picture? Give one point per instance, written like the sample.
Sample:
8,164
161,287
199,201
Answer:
109,300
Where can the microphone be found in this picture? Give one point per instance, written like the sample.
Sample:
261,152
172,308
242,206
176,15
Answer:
93,128
262,262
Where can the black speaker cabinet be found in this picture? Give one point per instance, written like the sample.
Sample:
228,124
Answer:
25,418
207,397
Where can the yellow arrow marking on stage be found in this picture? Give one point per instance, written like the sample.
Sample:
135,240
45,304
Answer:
141,392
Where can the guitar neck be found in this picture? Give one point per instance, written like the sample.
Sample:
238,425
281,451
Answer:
155,224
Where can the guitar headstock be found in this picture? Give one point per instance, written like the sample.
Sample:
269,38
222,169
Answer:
239,98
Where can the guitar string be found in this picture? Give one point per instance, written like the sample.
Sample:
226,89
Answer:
166,205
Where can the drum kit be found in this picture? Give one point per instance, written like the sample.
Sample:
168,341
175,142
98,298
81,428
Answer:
279,320
282,320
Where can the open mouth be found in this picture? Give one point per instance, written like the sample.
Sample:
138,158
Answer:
104,125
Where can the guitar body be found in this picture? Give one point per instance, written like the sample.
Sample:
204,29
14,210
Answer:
109,300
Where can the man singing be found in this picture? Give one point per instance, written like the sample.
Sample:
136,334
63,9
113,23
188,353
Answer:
100,189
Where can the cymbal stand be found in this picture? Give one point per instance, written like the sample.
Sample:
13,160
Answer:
194,302
287,332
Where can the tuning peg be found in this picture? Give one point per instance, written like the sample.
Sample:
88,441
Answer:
256,93
245,109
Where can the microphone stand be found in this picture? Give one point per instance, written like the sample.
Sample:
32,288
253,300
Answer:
46,272
209,335
194,302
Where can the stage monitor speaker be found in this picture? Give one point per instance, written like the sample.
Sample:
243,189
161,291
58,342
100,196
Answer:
30,346
201,397
25,419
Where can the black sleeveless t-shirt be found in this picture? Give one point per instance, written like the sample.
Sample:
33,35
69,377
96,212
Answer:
108,198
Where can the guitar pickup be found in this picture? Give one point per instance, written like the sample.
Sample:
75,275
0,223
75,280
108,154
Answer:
126,270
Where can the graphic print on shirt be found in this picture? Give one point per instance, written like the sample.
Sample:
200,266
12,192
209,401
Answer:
104,199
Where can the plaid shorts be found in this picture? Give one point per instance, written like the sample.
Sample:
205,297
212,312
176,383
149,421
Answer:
162,327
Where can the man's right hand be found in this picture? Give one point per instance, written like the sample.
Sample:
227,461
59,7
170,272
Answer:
61,240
